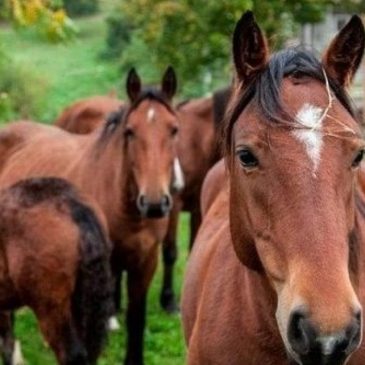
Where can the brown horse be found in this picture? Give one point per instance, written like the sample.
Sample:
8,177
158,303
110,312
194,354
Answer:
126,168
55,259
200,123
86,115
276,275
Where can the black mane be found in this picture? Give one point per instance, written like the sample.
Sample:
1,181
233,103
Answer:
220,102
264,90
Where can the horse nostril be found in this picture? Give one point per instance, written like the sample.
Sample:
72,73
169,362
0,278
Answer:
142,203
307,343
299,332
166,202
353,334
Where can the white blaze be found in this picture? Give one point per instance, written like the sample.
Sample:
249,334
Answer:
178,183
309,116
151,114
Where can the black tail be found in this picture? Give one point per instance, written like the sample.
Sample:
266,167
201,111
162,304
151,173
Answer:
92,299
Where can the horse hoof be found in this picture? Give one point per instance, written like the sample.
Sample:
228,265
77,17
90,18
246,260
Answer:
18,358
113,324
171,308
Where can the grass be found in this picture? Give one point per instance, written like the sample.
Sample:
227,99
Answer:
72,71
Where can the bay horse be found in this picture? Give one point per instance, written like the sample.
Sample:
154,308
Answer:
276,275
125,167
197,150
55,259
87,114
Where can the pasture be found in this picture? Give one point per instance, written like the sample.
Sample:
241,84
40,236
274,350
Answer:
85,74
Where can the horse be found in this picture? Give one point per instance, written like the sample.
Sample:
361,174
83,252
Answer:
200,124
198,151
48,230
125,168
88,114
276,274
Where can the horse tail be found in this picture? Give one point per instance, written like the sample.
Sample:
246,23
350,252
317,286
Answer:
92,297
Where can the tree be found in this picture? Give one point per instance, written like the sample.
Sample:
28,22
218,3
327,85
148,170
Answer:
194,35
47,16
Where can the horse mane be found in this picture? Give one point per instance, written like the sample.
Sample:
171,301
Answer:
220,101
264,89
182,103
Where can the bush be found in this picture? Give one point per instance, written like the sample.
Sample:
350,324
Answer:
118,35
21,92
81,7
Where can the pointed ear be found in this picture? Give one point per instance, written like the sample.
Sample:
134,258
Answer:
133,85
343,57
169,83
250,51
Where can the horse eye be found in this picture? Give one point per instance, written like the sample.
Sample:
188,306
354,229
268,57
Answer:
128,133
247,158
359,157
174,131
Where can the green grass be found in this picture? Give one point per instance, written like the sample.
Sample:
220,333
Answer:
164,344
72,71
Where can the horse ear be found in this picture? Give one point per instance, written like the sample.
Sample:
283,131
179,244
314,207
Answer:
343,56
133,85
169,83
250,51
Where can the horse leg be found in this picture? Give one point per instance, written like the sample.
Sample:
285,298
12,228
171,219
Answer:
195,221
61,335
138,283
113,323
7,338
169,251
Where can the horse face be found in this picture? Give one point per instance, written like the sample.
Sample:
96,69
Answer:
293,209
151,133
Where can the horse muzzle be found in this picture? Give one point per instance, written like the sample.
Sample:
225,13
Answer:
312,348
154,209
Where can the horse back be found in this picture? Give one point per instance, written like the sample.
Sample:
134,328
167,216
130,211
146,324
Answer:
29,149
86,115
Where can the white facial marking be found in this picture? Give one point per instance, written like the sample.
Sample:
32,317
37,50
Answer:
178,183
309,116
151,114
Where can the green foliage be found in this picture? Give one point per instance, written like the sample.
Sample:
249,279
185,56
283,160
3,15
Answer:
118,35
21,92
72,70
194,36
81,7
47,17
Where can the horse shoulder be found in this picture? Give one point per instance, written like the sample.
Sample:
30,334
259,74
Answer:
211,234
